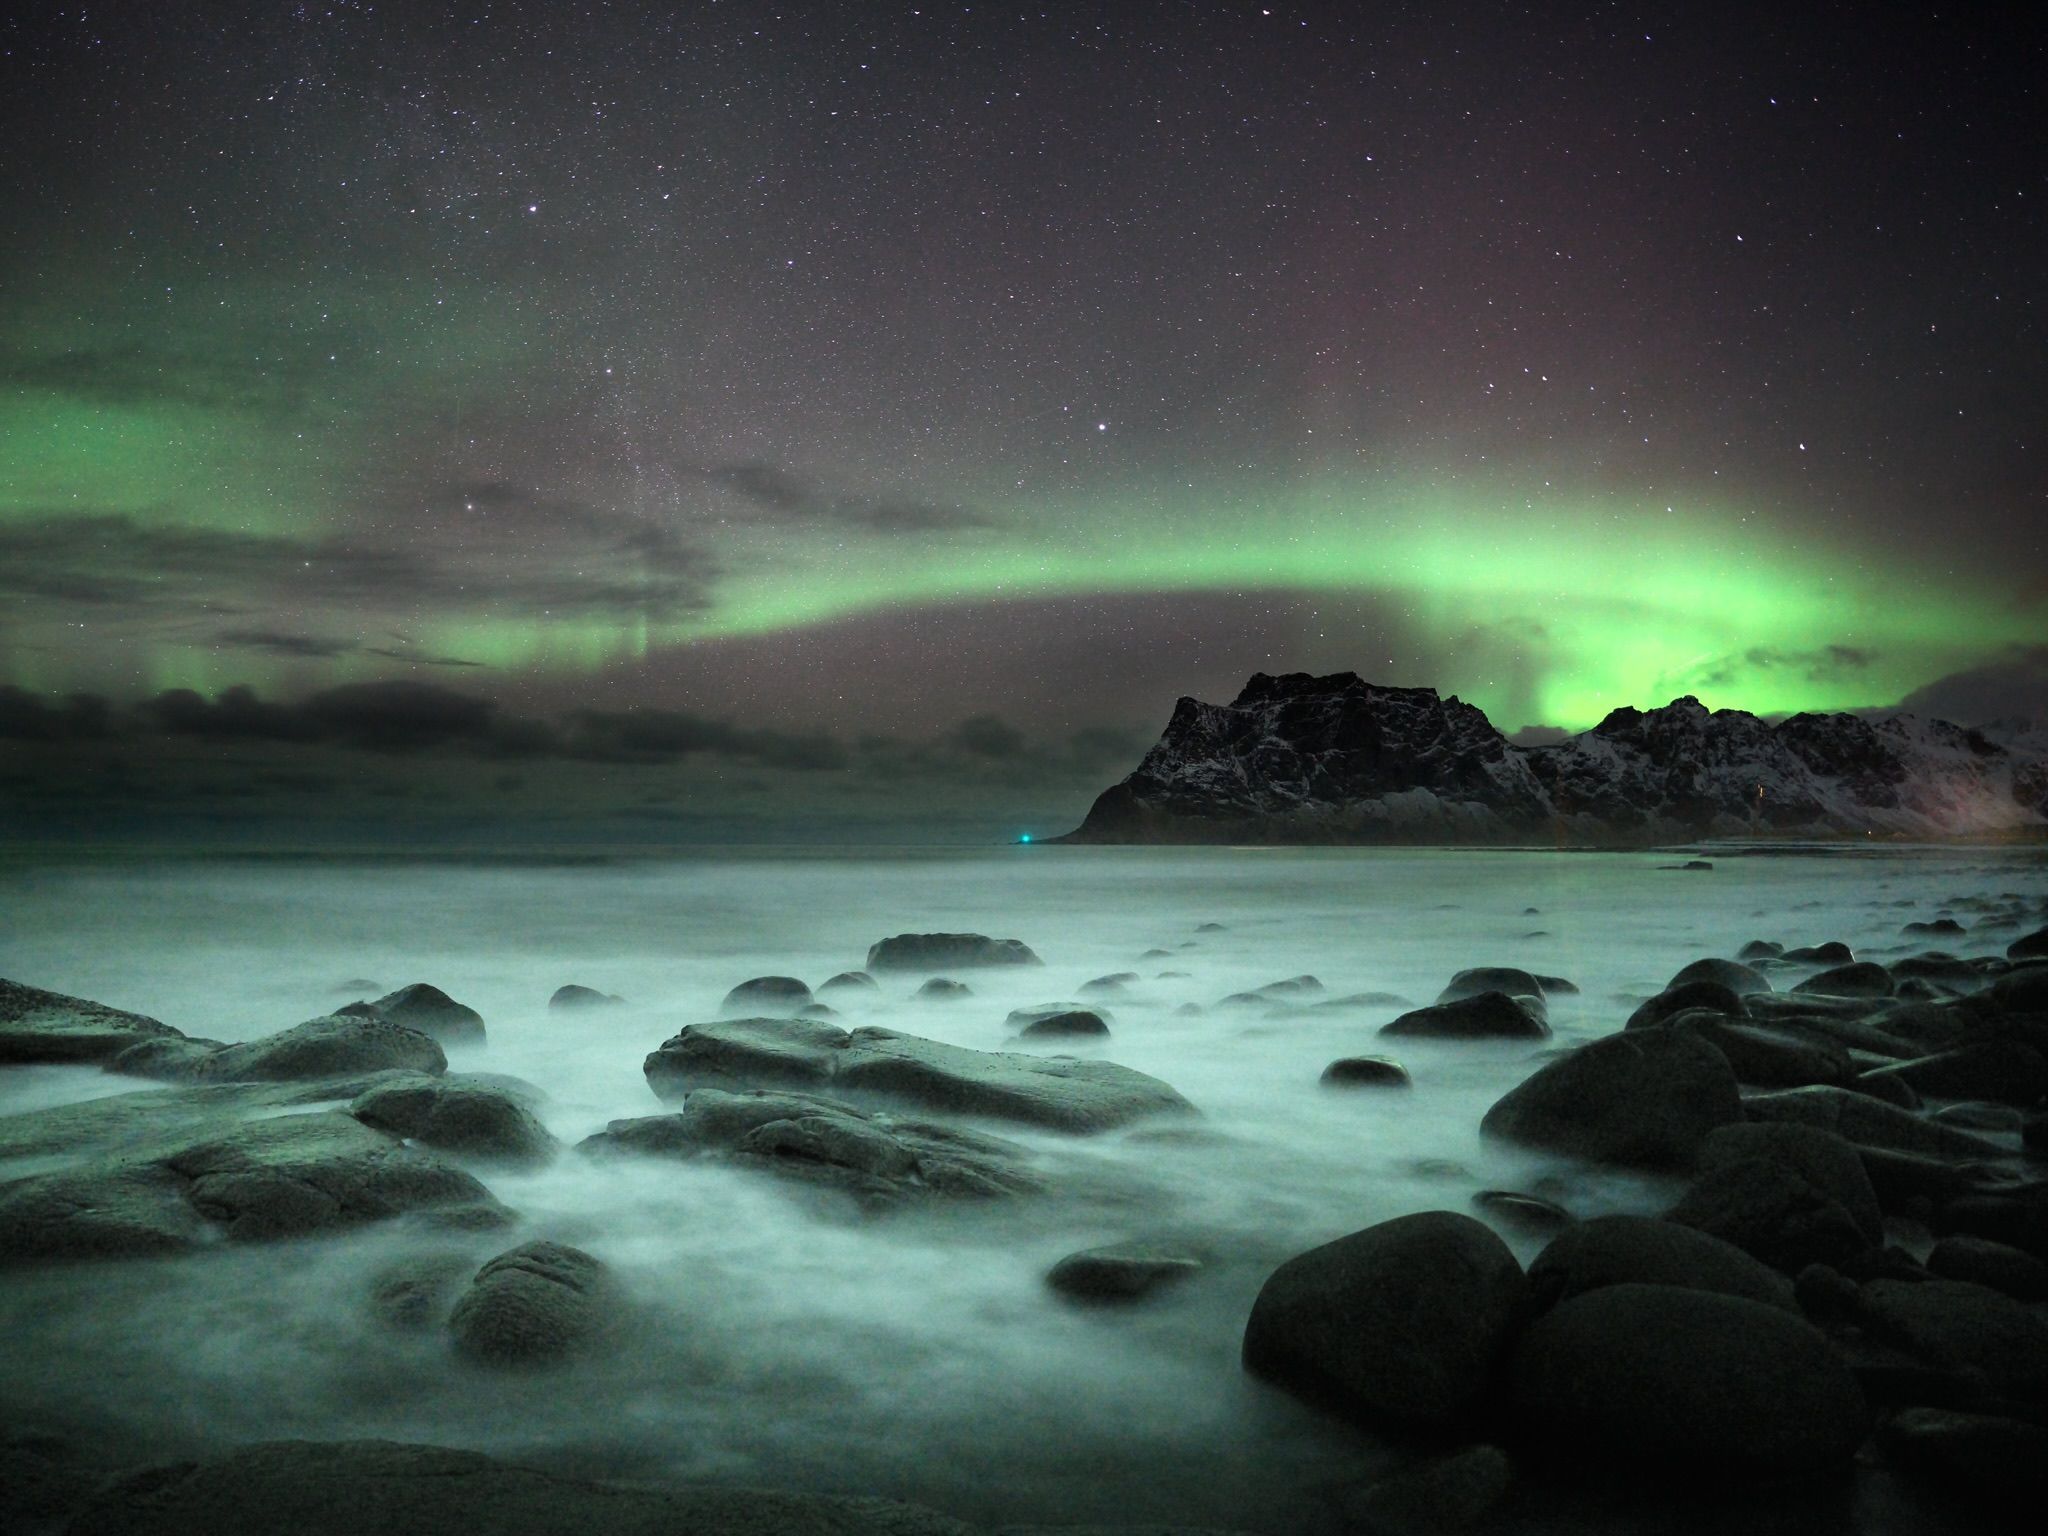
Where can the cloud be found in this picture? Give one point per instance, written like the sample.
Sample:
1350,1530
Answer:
988,736
313,648
1828,663
659,735
780,495
26,717
139,376
2013,686
392,716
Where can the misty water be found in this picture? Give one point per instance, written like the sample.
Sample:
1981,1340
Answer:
776,1336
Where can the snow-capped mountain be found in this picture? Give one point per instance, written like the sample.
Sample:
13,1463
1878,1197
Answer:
1301,759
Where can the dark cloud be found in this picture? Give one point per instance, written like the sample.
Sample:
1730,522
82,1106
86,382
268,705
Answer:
135,375
26,717
2014,686
659,735
988,736
314,648
1828,663
781,495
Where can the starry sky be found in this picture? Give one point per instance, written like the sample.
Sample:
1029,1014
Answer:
857,379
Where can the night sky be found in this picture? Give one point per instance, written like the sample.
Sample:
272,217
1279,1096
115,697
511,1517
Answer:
829,376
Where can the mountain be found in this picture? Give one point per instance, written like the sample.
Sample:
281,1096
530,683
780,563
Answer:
1301,759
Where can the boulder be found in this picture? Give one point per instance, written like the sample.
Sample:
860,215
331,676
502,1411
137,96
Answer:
850,982
1491,978
1822,1158
1869,1122
1642,1380
350,1487
575,999
533,1305
1980,1261
2003,1070
1769,1211
416,1293
1109,986
1074,1024
2029,946
765,997
1770,1055
1860,978
1482,1016
879,1064
1366,1072
1732,974
1402,1323
1710,995
1832,952
1645,1098
941,989
1520,1213
1960,1326
1996,1463
1438,1495
1122,1272
1645,1250
461,1116
879,1160
338,1045
1759,949
947,952
38,1026
433,1013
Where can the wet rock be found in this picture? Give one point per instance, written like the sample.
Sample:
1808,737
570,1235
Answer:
1021,1019
348,1488
1859,979
1823,1159
941,989
1109,986
1442,1494
1998,1464
1868,1122
1759,949
533,1305
1483,1016
931,952
879,1160
1057,1092
1960,1326
339,1045
575,999
850,982
1641,1379
1366,1072
1075,1024
2003,1070
1525,1215
774,997
1770,1056
1646,1098
1982,1262
1770,1212
1402,1323
48,1026
1491,978
118,1211
1647,1250
1732,974
1690,866
455,1115
179,1059
1124,1272
1941,927
432,1012
1980,1119
1711,996
418,1292
1833,952
2031,946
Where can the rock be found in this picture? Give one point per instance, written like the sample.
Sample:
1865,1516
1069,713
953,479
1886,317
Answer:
1759,949
1710,995
942,990
1522,1214
849,982
2031,946
353,1487
1646,1250
1868,1122
1769,1211
1491,978
1021,1019
1644,1379
1732,974
339,1045
947,952
1998,1464
1946,927
1123,1272
1402,1323
1057,1092
878,1160
417,1292
1859,979
1981,1119
1823,1159
774,997
1690,866
575,999
1982,1262
1075,1024
1365,1072
1646,1098
433,1013
170,1059
1960,1326
1770,1056
1444,1493
459,1116
48,1026
117,1211
2004,1070
1833,952
533,1305
1484,1016
1108,986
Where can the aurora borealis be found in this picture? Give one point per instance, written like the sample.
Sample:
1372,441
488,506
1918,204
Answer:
862,370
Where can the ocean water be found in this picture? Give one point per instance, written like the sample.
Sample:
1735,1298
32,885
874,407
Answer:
772,1336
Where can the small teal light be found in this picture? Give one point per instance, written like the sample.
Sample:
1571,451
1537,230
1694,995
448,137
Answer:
1024,837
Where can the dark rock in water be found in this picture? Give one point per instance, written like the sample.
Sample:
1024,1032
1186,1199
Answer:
356,1487
941,989
1023,1018
459,1116
1833,952
1690,865
817,1011
1944,970
1732,974
1486,1016
1442,1494
1523,1214
1863,978
1058,1092
418,1292
48,1026
1645,1250
1981,1119
1759,949
1075,1024
575,999
1891,1090
1769,1211
533,1305
849,982
765,996
1998,1464
1122,1272
1366,1072
1982,1262
170,1059
879,1160
1868,1122
1646,1098
2000,1069
1558,986
433,1013
1960,1326
340,1045
1711,995
2031,946
1291,986
1767,1056
1211,928
947,952
1402,1323
1823,1159
1492,978
2023,989
1108,985
1943,927
1639,1380
117,1211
